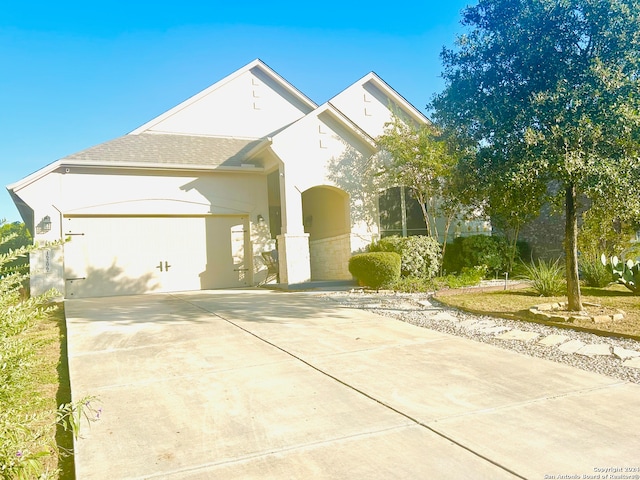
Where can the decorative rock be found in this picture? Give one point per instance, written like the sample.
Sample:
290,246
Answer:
601,318
549,312
571,347
519,335
425,303
553,340
545,307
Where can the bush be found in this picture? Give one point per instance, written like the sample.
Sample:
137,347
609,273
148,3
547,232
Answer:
476,251
468,277
420,255
595,273
547,278
375,269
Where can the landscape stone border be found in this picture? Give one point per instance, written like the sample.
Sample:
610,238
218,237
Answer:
553,312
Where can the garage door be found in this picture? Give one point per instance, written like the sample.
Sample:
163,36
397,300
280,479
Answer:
131,255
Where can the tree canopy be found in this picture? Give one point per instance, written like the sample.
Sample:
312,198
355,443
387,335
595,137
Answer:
548,92
418,159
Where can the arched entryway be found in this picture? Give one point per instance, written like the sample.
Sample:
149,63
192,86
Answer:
326,219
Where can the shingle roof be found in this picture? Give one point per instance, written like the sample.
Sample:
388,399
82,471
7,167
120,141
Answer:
168,150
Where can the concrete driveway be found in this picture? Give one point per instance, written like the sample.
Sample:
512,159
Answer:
243,384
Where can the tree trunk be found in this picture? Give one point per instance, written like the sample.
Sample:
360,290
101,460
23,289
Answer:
571,249
423,205
444,241
514,246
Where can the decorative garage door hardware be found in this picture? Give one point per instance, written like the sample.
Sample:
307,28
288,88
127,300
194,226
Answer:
166,266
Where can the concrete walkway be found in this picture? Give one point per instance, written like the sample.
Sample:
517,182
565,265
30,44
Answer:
269,385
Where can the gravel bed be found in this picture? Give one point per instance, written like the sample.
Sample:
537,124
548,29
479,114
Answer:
405,307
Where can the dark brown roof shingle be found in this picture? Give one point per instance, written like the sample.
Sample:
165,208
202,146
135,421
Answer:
169,150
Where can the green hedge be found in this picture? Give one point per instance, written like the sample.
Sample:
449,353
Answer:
420,255
375,269
477,251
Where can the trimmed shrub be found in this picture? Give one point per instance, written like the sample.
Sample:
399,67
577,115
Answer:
375,269
420,255
547,278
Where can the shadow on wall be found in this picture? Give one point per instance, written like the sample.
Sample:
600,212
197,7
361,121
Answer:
356,174
107,282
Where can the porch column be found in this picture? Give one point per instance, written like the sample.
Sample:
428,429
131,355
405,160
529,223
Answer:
293,258
294,262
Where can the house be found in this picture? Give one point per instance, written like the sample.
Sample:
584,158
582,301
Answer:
193,198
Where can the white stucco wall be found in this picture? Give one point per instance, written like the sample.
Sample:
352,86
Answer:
86,192
114,192
250,106
313,151
46,268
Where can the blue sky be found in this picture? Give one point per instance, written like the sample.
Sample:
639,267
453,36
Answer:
75,74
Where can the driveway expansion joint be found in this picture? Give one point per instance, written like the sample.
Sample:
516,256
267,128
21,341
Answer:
376,400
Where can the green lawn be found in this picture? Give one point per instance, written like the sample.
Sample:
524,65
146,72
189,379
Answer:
514,304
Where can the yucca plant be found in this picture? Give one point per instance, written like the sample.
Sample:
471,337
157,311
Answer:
547,277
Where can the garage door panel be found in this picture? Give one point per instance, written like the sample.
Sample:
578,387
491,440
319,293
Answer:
132,255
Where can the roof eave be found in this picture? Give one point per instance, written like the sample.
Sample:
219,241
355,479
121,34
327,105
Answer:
399,99
248,168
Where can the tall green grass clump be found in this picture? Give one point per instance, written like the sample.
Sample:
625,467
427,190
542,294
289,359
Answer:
547,278
594,272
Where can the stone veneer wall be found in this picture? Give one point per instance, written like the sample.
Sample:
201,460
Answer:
545,235
330,258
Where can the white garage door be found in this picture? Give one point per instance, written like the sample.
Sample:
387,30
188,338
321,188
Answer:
131,255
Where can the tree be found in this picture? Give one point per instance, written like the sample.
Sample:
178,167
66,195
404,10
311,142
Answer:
605,231
549,91
418,160
511,204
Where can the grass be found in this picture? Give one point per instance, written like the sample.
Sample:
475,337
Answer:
514,304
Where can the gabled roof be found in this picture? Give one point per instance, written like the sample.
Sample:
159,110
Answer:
256,64
406,106
399,101
336,114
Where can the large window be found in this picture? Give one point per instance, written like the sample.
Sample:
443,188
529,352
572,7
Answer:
398,215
